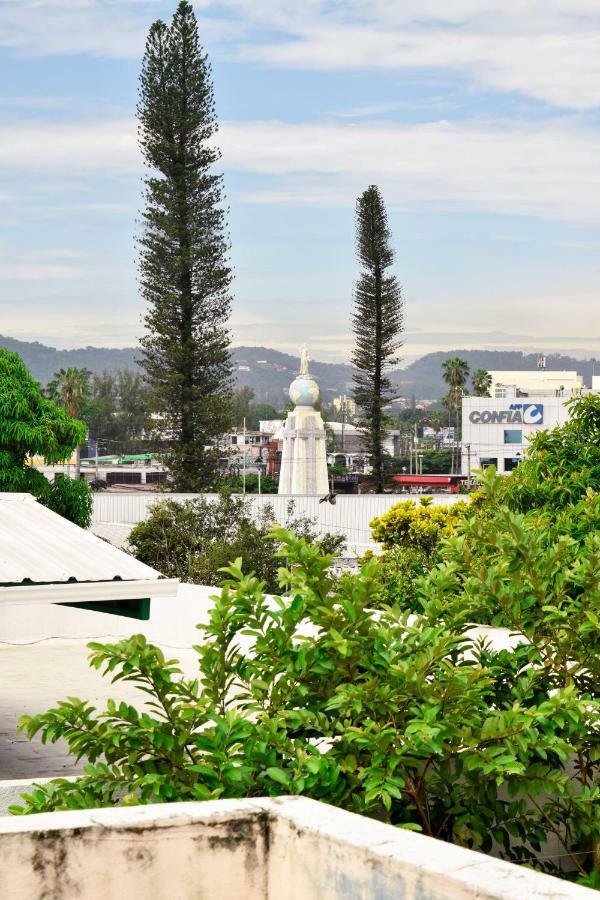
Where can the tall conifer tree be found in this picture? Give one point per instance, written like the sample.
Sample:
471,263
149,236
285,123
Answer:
184,271
377,323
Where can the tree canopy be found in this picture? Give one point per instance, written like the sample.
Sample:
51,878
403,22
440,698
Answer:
31,425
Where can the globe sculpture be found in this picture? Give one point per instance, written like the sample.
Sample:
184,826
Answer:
304,391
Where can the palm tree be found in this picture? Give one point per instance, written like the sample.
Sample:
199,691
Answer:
70,389
482,383
455,372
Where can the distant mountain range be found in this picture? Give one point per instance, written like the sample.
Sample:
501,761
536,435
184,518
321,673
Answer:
423,377
43,361
269,372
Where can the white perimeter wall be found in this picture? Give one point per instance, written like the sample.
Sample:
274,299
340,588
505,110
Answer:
350,516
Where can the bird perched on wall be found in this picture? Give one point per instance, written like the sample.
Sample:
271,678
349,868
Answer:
328,498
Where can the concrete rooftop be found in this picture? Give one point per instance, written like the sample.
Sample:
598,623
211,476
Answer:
43,658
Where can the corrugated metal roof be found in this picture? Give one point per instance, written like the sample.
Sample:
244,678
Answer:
39,546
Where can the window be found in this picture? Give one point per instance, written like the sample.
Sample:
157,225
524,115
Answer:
513,436
123,477
486,461
500,393
511,463
155,477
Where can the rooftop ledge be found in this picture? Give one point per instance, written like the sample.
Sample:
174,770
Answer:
288,848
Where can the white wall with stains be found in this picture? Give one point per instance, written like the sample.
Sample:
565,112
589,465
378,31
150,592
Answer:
288,848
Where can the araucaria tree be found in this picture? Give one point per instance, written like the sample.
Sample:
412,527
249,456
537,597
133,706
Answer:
184,271
377,324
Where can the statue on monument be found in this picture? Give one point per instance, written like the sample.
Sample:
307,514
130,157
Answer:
304,360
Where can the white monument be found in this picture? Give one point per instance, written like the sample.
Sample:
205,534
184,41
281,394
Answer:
304,455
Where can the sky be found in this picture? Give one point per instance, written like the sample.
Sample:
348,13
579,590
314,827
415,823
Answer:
478,119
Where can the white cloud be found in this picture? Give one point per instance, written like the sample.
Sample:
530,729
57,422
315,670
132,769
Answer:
70,148
550,169
56,264
95,27
546,49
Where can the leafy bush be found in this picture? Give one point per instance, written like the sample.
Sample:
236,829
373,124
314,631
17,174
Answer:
411,536
398,571
194,540
70,499
533,539
419,528
384,714
563,463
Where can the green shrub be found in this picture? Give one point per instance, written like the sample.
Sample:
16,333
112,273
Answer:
195,539
383,714
398,571
411,536
419,528
70,499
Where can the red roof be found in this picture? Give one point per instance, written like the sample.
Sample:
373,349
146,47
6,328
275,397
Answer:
428,479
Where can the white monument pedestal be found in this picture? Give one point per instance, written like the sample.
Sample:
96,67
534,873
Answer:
304,455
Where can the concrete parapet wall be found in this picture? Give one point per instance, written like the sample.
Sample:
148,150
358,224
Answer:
288,848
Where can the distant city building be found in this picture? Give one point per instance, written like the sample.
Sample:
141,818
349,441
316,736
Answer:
535,380
136,471
247,451
496,430
270,426
343,401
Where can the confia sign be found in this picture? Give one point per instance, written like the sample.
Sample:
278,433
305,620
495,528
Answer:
516,414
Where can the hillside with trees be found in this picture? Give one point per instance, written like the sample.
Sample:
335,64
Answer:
44,361
269,372
423,378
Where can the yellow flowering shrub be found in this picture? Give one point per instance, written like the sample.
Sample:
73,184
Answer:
418,527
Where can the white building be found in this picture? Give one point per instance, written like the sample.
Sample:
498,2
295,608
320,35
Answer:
496,430
545,380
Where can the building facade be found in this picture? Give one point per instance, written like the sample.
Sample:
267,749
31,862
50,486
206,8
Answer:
497,430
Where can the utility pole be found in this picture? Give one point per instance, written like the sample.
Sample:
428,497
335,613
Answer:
343,418
468,466
244,460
